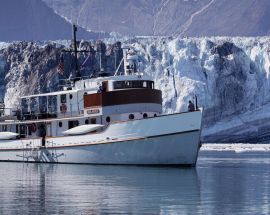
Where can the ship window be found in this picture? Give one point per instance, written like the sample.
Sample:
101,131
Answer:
70,96
63,98
108,119
60,124
117,85
52,104
145,115
22,131
4,127
127,84
24,104
29,128
72,124
131,116
43,104
155,115
93,121
144,84
34,105
86,121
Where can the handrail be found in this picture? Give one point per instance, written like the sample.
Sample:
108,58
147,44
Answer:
118,66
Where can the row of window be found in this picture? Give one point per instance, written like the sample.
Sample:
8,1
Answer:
32,104
75,123
41,103
133,84
145,115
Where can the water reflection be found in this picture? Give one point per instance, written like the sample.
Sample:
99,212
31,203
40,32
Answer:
221,184
235,183
83,189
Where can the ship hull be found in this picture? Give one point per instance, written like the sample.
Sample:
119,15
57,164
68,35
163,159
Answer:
165,142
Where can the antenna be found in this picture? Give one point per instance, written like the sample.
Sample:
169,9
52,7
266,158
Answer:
100,60
114,59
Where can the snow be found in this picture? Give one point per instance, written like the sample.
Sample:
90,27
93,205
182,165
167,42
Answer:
3,45
236,147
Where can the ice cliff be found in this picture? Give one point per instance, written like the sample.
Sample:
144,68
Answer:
229,76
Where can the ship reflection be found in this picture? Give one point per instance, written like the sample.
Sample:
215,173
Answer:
86,189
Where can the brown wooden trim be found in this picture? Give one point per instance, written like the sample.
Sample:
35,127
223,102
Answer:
121,97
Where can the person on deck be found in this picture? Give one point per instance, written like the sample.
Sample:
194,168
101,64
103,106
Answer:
100,89
191,106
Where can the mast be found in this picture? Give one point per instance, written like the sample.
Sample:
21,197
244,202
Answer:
77,74
75,51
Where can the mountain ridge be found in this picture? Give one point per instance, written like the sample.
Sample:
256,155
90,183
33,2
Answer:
33,20
169,17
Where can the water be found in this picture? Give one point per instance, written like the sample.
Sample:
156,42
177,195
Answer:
222,183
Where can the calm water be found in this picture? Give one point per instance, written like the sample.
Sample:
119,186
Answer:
222,183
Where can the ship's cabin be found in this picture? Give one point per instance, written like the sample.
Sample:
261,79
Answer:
101,100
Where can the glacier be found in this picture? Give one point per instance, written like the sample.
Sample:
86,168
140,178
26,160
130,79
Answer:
229,76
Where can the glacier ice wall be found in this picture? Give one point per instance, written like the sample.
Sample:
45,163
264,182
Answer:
229,76
27,68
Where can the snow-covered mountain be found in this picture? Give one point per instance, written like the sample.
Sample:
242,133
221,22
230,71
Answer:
230,77
34,20
169,17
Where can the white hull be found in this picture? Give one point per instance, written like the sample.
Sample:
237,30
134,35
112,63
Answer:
166,140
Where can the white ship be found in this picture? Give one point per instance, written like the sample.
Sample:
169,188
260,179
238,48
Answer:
104,120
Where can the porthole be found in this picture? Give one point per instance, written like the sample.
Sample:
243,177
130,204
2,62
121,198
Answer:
131,116
60,124
70,96
145,115
108,119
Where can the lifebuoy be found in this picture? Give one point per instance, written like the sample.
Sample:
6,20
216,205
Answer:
63,108
33,127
